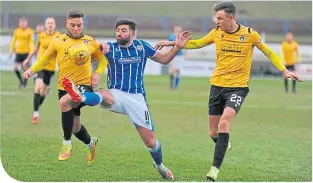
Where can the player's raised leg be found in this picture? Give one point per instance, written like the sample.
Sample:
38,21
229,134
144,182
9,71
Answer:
89,98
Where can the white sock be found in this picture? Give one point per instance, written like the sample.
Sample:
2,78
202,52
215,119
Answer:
67,142
90,144
157,145
36,114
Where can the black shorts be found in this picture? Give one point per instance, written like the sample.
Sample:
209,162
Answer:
82,89
221,97
290,67
19,58
45,76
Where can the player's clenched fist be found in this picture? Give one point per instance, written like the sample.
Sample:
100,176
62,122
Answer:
28,73
104,47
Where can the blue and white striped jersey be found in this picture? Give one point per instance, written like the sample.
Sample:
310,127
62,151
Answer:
127,64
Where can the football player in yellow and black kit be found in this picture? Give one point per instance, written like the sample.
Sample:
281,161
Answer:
234,49
78,69
290,55
22,44
43,78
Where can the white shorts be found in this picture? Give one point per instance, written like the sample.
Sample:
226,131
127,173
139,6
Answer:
177,63
132,105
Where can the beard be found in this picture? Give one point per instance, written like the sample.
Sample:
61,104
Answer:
75,37
123,41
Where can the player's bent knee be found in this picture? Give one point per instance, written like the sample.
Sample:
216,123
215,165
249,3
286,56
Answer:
65,103
108,98
150,143
223,126
228,113
214,119
213,133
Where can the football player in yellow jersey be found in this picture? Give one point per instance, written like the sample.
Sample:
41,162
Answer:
234,49
22,44
73,52
290,55
43,78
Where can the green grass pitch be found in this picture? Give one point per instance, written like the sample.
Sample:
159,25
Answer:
271,136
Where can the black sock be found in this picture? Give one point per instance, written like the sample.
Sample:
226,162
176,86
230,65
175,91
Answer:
42,98
171,81
220,149
18,74
67,124
36,101
286,85
25,82
214,138
83,135
294,86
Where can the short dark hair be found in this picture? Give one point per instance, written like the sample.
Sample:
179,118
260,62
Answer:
74,13
129,22
22,19
227,6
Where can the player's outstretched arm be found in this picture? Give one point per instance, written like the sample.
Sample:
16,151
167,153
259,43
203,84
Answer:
298,54
30,56
272,56
12,46
202,42
162,44
180,42
42,62
31,41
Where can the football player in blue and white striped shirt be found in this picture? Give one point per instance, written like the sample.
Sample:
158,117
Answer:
126,95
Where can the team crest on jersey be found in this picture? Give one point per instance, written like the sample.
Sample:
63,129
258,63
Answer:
242,38
139,47
86,41
117,49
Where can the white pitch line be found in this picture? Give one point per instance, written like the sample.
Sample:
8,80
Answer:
190,103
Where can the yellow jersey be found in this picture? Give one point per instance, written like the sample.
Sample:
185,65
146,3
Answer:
289,51
233,54
22,41
44,40
80,73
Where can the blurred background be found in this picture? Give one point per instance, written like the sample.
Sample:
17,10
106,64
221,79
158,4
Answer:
156,21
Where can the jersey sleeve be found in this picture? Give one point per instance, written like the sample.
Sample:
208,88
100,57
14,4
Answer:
257,40
12,46
46,57
268,52
31,40
204,41
149,50
298,53
98,55
38,42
